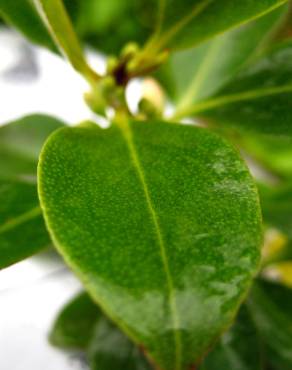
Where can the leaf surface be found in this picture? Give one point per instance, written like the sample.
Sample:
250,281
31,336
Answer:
258,100
22,230
200,72
184,23
162,224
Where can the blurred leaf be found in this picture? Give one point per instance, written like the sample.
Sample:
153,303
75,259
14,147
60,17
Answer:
23,16
22,230
258,99
199,72
276,205
162,223
97,21
75,324
270,305
277,248
274,153
111,349
238,349
184,23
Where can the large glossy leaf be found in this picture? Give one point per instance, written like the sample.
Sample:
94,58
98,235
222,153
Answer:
240,348
200,72
162,224
22,230
184,23
23,15
271,306
111,349
75,324
259,99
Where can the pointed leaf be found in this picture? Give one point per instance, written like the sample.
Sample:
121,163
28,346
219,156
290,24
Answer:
161,222
23,15
259,99
238,349
22,230
271,307
184,23
74,325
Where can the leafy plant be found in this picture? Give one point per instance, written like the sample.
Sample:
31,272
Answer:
161,220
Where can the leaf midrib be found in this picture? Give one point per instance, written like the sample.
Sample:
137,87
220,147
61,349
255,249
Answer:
220,101
199,79
128,136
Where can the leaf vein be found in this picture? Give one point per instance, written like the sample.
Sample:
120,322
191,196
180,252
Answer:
128,135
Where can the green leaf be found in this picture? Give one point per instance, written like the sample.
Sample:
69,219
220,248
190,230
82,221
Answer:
22,230
271,306
274,153
111,349
277,207
238,349
184,23
96,21
258,99
81,325
162,224
23,15
59,24
74,325
200,72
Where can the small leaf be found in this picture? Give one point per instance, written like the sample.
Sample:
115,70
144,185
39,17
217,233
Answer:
162,224
277,207
22,230
259,99
74,325
271,306
23,15
184,23
111,349
201,71
238,349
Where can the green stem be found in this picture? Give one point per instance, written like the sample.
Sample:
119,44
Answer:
60,27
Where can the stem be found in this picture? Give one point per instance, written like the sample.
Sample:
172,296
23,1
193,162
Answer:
56,18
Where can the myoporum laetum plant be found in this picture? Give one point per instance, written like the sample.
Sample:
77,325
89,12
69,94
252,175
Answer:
162,220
